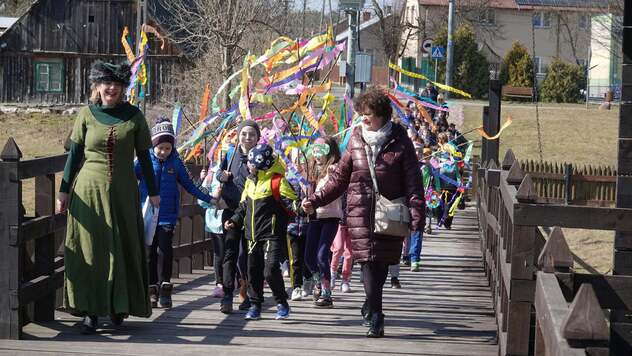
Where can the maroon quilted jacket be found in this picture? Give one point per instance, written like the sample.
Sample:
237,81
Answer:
398,175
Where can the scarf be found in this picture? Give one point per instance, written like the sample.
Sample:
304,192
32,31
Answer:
376,139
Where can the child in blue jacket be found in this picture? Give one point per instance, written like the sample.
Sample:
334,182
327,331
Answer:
169,170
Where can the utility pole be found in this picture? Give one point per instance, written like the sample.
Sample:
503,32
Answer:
450,61
352,39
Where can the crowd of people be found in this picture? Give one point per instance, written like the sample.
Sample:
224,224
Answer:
259,215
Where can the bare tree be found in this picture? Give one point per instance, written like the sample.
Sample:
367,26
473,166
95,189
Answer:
394,30
203,26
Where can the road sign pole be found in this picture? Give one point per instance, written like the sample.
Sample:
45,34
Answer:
436,65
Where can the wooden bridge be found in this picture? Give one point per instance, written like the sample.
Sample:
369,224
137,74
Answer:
501,282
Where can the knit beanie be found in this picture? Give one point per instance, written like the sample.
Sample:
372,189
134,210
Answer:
107,72
250,123
261,156
162,132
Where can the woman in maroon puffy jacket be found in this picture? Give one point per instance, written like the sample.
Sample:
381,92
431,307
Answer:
398,175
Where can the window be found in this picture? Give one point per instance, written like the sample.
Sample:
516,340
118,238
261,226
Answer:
542,19
49,76
488,17
582,62
584,21
540,68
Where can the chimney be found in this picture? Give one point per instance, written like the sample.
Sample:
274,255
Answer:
366,16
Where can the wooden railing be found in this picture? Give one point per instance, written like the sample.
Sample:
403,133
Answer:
567,183
530,271
31,252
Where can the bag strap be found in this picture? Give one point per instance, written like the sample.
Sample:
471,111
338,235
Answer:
367,149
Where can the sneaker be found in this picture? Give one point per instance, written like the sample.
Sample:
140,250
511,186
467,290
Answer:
316,292
226,305
283,311
405,262
345,288
414,266
297,294
165,295
218,291
245,305
324,302
333,278
254,313
285,268
395,283
307,288
153,295
428,230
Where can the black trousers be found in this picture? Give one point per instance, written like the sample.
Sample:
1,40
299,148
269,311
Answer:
264,260
443,209
235,251
161,255
374,275
218,257
299,270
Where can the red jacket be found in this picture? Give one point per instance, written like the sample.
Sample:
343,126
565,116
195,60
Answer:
398,174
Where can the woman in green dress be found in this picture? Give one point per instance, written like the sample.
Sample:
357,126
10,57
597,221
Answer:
106,271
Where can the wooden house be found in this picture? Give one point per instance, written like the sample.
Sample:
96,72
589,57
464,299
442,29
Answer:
45,56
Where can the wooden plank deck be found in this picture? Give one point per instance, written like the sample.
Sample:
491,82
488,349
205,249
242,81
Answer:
444,310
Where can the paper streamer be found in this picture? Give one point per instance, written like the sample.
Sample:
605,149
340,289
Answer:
421,76
485,135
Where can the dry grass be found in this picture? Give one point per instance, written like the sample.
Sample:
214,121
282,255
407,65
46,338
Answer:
570,133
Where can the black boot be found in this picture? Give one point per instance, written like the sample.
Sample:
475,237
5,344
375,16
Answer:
89,325
366,314
377,326
117,319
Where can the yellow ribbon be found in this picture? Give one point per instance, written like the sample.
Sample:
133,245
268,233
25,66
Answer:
423,77
485,135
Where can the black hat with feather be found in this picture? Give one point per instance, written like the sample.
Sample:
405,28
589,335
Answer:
109,72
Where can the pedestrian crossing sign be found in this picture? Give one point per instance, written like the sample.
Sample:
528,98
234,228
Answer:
438,53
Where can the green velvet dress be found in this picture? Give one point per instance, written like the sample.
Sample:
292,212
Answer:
106,271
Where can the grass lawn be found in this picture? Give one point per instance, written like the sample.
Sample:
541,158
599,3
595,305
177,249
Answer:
570,133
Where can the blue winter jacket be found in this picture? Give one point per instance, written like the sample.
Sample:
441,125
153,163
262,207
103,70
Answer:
168,174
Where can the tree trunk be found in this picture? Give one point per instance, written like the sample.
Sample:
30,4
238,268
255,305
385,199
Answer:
227,70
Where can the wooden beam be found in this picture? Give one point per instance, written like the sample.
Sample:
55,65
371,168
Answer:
585,320
516,174
551,309
584,217
526,192
509,160
555,255
42,166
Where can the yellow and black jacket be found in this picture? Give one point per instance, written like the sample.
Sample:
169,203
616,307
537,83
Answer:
259,213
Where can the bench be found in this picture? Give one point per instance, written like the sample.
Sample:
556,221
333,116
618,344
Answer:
517,92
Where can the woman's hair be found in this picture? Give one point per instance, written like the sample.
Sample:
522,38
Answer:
376,100
95,97
332,157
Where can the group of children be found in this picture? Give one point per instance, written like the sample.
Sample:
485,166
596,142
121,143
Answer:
262,213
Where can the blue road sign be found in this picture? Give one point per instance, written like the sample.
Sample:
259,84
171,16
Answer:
438,53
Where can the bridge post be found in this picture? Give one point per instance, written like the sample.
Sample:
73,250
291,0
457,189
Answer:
622,259
491,122
10,256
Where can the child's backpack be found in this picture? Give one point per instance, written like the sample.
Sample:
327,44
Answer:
275,186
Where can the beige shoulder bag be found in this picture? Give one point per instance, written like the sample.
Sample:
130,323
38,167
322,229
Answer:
392,217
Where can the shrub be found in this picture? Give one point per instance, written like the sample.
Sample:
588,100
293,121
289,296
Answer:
471,69
563,82
517,67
